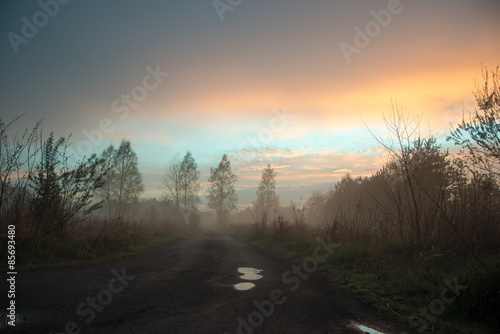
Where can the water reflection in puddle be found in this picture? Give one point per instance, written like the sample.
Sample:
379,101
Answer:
250,274
369,330
244,286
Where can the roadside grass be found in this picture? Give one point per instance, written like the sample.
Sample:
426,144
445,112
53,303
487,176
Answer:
408,284
93,242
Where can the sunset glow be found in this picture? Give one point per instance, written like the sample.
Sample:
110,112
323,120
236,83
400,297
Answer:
267,84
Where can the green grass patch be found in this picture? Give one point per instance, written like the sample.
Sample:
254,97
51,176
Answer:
410,284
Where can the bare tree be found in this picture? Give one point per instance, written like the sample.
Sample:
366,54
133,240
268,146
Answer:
417,176
172,182
403,131
221,194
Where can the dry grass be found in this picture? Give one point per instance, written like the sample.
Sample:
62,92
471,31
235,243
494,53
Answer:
91,240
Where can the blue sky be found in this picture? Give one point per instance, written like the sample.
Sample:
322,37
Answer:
228,78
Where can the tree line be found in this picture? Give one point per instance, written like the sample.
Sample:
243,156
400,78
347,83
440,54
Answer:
421,193
44,193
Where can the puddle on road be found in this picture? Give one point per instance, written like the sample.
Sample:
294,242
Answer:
243,286
369,330
250,274
4,320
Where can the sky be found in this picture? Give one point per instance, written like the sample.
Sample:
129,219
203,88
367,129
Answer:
301,85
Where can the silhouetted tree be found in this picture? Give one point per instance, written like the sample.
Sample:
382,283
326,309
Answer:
221,194
317,207
403,131
63,193
267,199
479,135
125,180
104,193
189,182
17,162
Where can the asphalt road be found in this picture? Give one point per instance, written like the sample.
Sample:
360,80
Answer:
187,286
